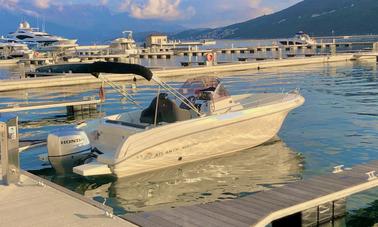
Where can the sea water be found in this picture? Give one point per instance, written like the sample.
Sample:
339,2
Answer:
337,125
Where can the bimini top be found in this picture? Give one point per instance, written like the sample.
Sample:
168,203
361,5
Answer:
98,67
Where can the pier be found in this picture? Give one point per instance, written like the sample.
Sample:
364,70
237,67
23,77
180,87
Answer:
38,202
28,200
77,79
370,54
156,55
8,61
282,206
101,53
72,106
36,61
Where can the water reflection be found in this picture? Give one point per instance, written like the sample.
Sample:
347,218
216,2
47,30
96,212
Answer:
227,177
367,216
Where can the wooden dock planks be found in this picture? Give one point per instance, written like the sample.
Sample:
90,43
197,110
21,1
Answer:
262,208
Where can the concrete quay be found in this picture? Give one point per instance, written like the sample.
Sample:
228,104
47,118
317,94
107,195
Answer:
243,66
37,202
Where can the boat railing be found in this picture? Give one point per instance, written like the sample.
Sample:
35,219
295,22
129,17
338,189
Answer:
262,101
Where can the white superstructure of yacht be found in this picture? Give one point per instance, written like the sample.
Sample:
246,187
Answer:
200,120
37,39
124,45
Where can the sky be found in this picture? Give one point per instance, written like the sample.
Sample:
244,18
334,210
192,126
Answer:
189,13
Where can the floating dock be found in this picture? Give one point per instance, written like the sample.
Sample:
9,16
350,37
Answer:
71,105
77,79
38,202
281,206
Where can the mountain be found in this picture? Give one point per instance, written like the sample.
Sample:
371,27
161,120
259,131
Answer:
316,17
94,24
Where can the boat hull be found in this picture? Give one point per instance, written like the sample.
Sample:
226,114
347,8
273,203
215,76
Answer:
129,151
220,137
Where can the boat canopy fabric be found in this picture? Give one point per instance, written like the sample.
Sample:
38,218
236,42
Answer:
98,67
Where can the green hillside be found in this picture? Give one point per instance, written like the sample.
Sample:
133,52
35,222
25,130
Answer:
316,17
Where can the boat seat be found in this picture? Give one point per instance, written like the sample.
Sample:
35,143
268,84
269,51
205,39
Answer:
168,111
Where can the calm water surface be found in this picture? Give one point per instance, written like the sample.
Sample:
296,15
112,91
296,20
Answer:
338,124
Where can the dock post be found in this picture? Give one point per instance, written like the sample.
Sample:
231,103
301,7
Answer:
22,70
333,49
375,47
280,56
9,145
70,110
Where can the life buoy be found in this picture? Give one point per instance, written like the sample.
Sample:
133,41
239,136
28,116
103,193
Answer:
209,57
36,54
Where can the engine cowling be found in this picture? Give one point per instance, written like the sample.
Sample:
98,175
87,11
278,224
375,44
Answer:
68,148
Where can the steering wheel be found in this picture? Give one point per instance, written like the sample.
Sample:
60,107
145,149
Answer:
192,99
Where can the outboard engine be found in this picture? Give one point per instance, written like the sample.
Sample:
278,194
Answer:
68,148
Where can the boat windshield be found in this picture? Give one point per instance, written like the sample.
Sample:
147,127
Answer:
200,87
192,87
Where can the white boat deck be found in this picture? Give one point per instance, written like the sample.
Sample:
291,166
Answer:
33,204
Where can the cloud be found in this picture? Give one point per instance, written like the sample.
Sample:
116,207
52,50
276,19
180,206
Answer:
254,3
215,13
103,2
156,9
8,4
189,13
42,4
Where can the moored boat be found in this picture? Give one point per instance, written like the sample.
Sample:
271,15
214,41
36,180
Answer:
299,39
200,120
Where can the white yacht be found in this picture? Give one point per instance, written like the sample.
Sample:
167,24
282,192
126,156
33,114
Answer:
14,50
124,45
37,39
201,120
300,38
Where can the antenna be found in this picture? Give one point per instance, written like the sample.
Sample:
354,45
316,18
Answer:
38,21
44,24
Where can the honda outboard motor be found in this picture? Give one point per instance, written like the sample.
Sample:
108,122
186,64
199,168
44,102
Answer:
68,148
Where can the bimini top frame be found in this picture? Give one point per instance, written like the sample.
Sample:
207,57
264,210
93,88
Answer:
97,68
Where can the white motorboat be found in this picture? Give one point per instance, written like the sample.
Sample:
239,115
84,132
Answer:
199,121
300,38
37,39
208,42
